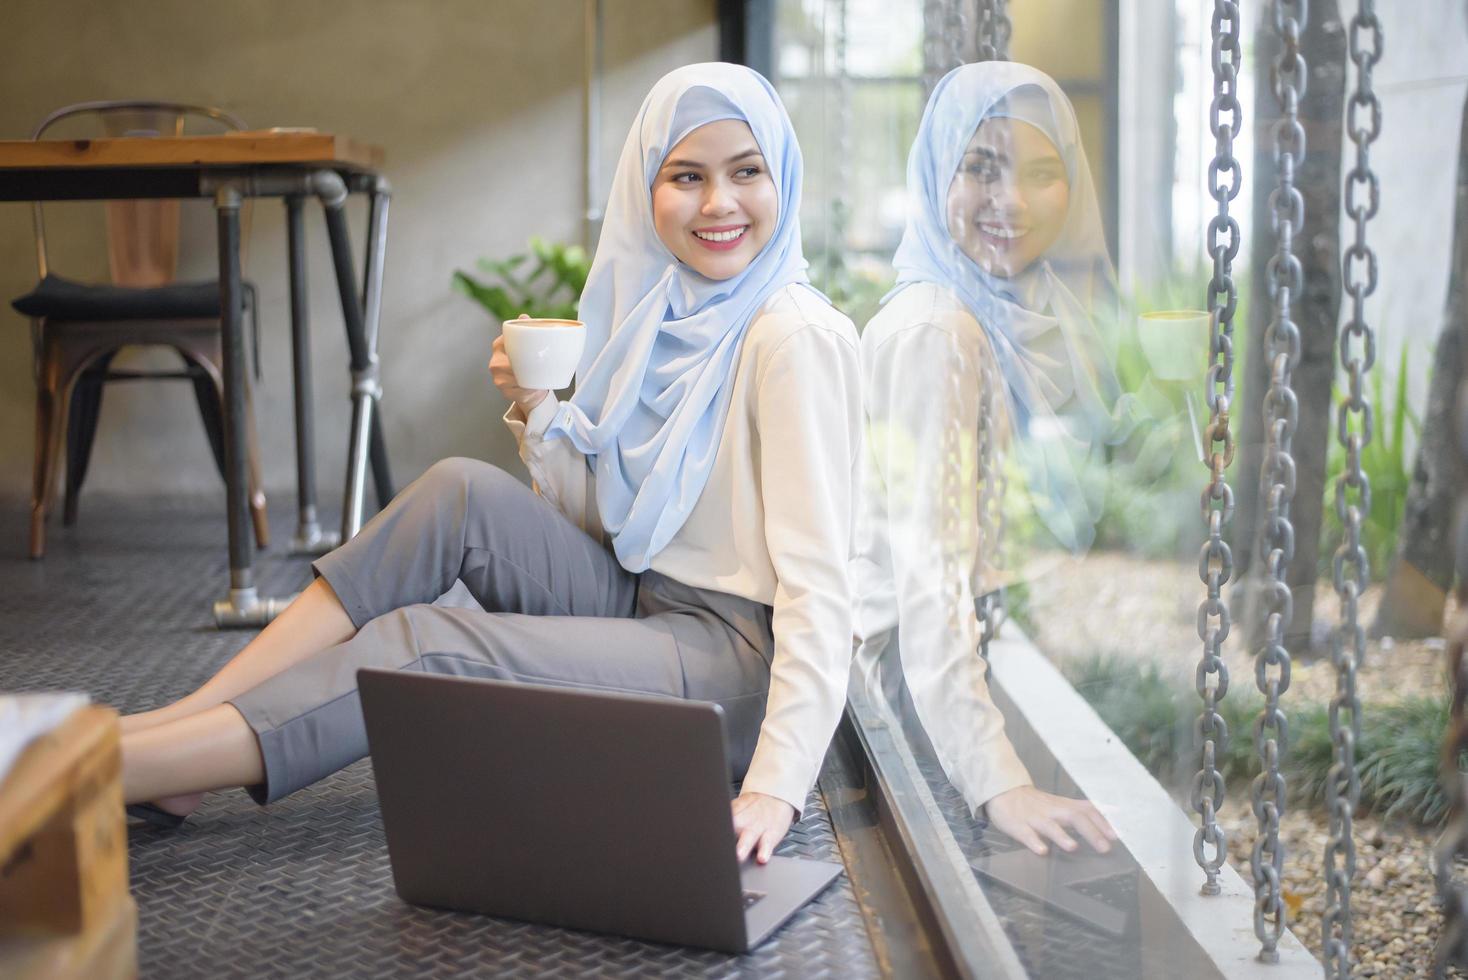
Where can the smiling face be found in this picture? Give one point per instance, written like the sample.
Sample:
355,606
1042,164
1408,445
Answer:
713,202
1008,201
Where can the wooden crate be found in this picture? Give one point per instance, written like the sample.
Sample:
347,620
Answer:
65,910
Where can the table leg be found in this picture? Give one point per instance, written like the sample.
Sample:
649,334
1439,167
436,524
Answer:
379,197
310,539
366,389
243,607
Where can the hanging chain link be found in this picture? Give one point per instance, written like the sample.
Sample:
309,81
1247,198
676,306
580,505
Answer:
1351,570
1452,942
1216,562
994,30
955,32
992,488
961,537
839,214
934,59
1284,276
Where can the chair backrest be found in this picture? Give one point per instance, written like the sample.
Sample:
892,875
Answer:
142,236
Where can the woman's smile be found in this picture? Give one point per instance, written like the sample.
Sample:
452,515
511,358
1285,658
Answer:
1002,233
722,238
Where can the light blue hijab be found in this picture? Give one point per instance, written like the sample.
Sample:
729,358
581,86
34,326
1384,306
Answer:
1042,322
663,341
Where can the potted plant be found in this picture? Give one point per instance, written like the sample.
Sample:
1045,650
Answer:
551,288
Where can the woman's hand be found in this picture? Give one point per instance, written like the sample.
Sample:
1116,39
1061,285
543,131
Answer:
1030,816
760,822
504,379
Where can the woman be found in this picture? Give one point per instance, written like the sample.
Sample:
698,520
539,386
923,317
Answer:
711,445
998,273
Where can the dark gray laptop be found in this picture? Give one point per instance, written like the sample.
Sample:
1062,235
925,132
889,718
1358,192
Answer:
586,809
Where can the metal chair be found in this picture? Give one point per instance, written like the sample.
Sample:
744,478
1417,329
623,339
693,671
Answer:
78,327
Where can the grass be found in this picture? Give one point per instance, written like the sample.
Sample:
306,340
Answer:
1386,467
1397,756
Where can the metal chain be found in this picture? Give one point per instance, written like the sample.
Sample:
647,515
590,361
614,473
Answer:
839,220
933,45
955,33
956,516
1216,561
1452,943
1284,276
994,30
992,488
1351,570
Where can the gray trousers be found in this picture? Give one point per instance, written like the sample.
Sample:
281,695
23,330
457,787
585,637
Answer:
554,607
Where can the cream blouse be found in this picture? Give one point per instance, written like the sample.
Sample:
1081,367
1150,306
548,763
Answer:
918,567
774,523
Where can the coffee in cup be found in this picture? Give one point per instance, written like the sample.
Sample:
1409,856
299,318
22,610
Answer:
544,352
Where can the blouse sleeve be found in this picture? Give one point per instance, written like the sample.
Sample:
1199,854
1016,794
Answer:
557,468
923,405
808,407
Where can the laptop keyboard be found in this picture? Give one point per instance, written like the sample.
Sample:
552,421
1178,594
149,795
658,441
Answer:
751,897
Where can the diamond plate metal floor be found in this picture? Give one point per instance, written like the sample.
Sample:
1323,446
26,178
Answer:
120,608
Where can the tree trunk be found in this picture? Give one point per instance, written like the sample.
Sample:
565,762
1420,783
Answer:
1316,309
1422,569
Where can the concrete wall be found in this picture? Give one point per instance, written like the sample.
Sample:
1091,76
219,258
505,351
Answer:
479,108
1422,82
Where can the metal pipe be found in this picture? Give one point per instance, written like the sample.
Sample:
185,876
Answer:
244,607
380,196
591,123
365,388
309,538
227,203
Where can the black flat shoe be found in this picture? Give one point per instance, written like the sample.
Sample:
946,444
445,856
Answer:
155,816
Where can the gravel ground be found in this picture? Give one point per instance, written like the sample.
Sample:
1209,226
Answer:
1395,911
1123,606
1132,607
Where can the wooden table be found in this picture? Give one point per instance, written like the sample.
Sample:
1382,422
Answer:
229,168
65,910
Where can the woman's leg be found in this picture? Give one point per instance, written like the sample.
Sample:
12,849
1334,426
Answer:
309,723
312,622
462,519
173,763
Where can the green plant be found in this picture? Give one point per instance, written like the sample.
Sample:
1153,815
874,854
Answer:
551,288
1152,480
1397,755
856,287
1384,461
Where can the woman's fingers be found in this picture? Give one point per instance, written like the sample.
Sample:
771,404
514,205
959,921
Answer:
1096,821
1026,835
745,828
1053,830
748,838
1086,822
767,843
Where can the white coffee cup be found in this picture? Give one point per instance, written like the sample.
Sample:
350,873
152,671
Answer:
1175,343
544,352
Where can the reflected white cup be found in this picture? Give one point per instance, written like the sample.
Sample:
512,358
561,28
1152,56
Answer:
1175,343
544,352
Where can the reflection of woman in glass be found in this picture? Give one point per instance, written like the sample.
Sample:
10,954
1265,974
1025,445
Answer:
692,528
999,273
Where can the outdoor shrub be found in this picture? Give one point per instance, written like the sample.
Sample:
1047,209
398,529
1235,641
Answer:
1396,758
